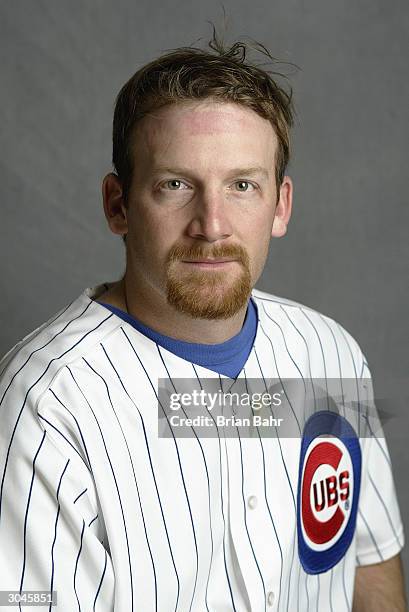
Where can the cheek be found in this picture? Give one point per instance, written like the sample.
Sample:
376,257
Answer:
151,236
257,244
258,233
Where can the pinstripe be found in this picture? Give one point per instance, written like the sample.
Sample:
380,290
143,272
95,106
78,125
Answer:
301,336
375,437
306,346
77,498
76,565
221,498
364,365
55,531
100,583
298,586
284,340
94,519
244,507
383,505
116,484
77,424
245,521
208,488
268,505
356,378
184,487
63,436
278,437
306,592
343,585
27,510
290,356
371,535
302,310
280,379
330,589
338,357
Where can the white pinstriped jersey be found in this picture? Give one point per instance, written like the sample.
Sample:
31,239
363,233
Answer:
97,508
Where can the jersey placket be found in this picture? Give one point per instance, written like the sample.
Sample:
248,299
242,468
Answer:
250,526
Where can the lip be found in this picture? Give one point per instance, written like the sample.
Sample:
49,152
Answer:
209,263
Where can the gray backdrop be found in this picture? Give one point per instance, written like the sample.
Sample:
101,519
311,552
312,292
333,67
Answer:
345,254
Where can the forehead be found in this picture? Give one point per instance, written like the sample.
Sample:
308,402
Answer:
211,117
205,120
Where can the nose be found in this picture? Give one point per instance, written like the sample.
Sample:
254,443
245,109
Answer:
211,217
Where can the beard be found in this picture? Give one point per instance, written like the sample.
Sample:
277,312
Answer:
208,294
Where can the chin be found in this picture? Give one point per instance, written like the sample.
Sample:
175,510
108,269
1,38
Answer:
204,299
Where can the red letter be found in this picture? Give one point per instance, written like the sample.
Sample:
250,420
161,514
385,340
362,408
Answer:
344,485
332,493
319,505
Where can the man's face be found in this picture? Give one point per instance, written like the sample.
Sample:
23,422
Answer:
201,205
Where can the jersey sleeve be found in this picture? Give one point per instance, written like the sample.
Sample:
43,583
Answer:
51,536
379,531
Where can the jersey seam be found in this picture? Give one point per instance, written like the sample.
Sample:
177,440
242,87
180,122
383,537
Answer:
72,460
67,363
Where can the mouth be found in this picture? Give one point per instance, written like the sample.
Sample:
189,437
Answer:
209,264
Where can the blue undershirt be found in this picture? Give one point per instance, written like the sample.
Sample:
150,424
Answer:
227,358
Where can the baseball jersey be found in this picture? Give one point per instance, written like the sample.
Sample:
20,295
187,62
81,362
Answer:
99,508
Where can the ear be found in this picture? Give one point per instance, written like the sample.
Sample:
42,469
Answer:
283,209
114,205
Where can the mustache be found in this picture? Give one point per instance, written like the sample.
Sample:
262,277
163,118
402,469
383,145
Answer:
233,251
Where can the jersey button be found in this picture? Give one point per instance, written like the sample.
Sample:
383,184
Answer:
270,598
252,502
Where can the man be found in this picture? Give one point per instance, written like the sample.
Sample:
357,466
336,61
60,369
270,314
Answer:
98,507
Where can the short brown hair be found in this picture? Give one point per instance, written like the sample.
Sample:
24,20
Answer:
190,73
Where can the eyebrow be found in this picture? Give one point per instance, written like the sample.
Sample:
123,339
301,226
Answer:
233,172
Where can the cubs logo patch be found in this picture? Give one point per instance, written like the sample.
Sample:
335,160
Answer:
328,490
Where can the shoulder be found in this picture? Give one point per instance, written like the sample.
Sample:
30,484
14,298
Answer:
316,330
30,366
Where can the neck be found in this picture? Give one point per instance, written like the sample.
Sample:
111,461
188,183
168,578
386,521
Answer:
153,311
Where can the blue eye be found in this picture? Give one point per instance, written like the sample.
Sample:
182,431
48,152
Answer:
243,186
174,184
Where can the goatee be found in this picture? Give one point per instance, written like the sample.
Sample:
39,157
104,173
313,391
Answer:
209,294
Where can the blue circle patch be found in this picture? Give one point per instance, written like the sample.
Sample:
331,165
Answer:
329,482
